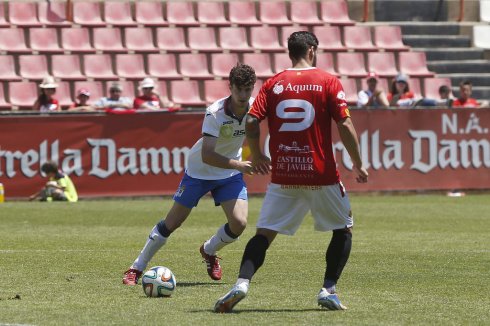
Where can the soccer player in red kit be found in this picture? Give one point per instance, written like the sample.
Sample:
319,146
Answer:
299,104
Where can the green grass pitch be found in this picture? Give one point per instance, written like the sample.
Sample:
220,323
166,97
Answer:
416,260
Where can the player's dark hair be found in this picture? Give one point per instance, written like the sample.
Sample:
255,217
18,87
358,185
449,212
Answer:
49,167
444,89
242,75
465,83
299,43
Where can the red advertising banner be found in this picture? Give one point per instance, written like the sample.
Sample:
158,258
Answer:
145,154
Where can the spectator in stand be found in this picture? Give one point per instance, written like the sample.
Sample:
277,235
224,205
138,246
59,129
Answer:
150,99
400,94
46,102
445,98
114,101
373,96
465,100
82,101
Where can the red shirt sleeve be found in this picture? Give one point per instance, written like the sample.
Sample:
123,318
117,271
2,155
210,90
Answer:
259,106
137,102
336,100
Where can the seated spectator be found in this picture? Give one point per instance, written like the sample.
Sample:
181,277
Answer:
58,188
400,94
373,96
150,99
82,103
465,100
445,98
46,102
114,101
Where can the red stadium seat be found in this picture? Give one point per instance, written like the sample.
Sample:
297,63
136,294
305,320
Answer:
118,13
350,90
87,14
351,64
329,38
221,64
335,12
150,13
281,62
382,63
4,105
211,13
258,85
163,66
108,40
389,38
3,21
286,31
53,14
181,13
12,41
23,94
261,62
95,89
130,66
33,67
98,66
67,67
7,69
414,84
195,66
265,38
23,14
186,93
76,40
202,39
305,13
215,89
431,86
243,13
324,61
358,38
44,40
161,87
414,64
139,39
63,94
234,39
274,13
171,39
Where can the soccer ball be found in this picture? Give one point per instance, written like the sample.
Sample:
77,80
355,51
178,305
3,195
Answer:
158,281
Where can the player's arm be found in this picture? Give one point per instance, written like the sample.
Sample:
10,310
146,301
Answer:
348,136
260,162
211,157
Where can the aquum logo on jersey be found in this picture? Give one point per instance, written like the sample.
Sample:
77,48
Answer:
279,88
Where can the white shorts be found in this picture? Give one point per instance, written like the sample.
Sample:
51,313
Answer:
285,207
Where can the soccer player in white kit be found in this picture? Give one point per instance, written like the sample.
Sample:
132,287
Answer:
214,165
299,104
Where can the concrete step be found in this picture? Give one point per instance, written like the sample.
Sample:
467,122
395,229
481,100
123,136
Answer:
435,41
479,92
434,54
482,79
461,66
427,28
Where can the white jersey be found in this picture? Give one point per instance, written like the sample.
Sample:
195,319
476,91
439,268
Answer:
220,123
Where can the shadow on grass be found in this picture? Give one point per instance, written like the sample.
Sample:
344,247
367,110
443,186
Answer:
191,284
244,311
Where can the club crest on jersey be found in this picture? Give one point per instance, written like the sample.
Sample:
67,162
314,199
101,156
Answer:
278,88
341,95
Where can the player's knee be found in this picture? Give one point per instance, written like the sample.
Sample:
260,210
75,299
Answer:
238,225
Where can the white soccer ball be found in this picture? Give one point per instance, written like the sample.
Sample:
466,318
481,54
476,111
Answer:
158,281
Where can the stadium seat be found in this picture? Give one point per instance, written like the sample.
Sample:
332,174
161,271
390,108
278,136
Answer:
33,67
3,21
243,13
261,63
350,90
181,13
4,105
163,66
139,39
171,39
23,94
211,13
274,13
265,38
161,87
335,12
128,89
44,40
414,84
53,14
389,38
258,85
234,39
23,14
202,39
414,64
150,13
67,67
108,40
485,11
215,89
7,69
481,36
130,66
194,66
351,64
382,63
358,38
87,14
286,31
221,64
94,87
76,40
305,13
98,66
12,41
281,62
186,93
324,61
118,13
431,86
63,94
329,38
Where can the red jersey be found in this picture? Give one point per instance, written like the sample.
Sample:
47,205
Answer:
51,106
151,100
469,103
299,105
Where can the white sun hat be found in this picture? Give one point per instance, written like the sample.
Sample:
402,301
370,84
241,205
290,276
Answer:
48,82
147,83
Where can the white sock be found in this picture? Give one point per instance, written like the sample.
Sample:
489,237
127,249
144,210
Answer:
153,244
218,241
243,282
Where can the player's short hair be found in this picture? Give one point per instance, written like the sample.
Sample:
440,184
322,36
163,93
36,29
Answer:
49,167
300,42
466,83
242,75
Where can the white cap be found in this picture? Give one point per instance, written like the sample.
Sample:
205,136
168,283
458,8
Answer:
48,82
147,83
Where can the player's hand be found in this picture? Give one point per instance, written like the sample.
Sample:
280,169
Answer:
261,164
362,174
246,167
